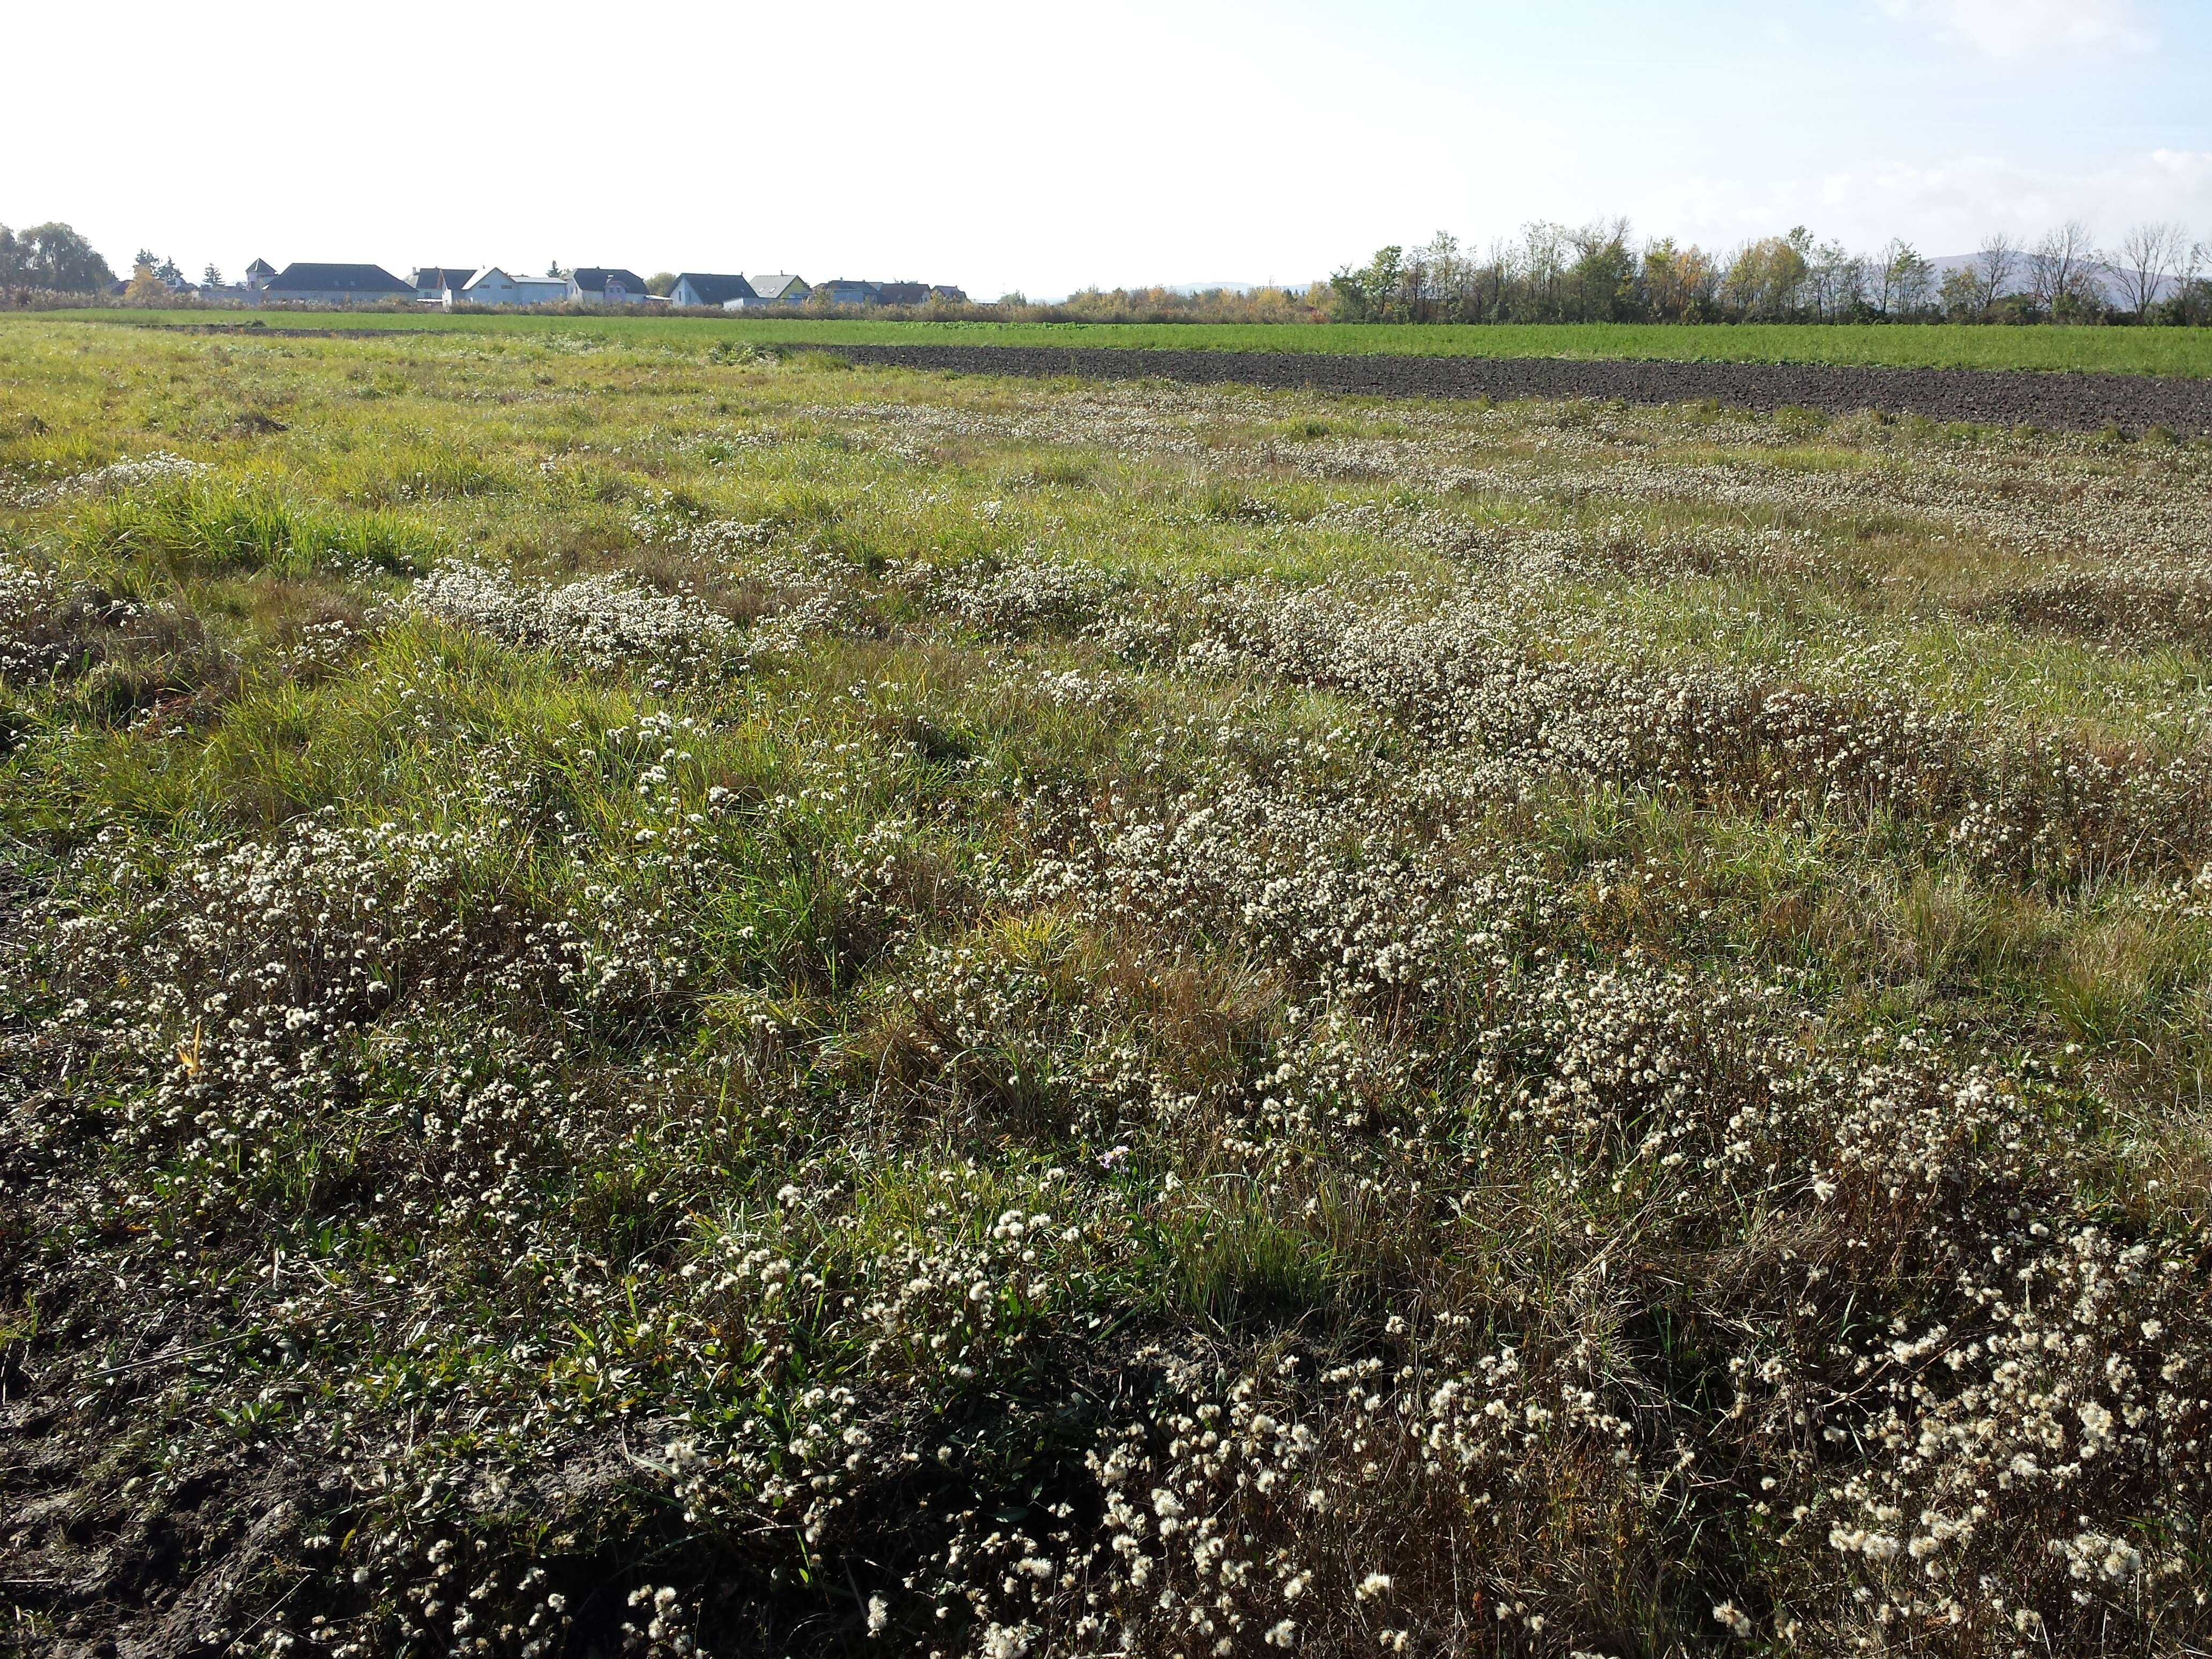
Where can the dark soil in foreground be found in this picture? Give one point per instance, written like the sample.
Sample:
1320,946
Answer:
2080,402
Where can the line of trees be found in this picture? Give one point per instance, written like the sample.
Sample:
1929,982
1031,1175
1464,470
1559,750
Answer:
52,257
1594,273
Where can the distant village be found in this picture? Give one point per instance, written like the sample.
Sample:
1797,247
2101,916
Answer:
449,286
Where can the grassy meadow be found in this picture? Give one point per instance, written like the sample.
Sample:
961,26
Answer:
662,999
2176,351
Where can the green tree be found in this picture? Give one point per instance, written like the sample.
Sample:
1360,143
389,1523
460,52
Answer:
662,282
1903,283
1601,281
1961,295
54,256
2192,305
1371,294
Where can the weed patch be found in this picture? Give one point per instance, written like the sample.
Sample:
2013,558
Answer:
764,1005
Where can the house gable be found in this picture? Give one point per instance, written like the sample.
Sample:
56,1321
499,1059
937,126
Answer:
494,287
595,279
701,288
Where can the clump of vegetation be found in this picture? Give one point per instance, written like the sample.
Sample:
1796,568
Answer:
798,1012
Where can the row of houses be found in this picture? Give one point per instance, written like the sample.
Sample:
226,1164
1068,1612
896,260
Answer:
734,293
310,283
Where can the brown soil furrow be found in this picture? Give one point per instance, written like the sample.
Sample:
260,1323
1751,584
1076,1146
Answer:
2076,402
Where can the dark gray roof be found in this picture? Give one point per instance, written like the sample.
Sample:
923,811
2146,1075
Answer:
261,268
443,276
903,293
338,279
715,290
593,279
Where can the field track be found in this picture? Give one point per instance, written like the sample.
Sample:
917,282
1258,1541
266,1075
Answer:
2077,402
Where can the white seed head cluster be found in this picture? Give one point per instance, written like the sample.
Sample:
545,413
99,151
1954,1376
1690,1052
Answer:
157,467
33,634
603,622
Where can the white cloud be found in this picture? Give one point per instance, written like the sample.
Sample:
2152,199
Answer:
2030,28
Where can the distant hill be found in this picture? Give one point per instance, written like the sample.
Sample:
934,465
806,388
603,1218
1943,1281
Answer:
1945,263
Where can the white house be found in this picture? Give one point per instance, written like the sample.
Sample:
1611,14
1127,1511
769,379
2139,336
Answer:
606,286
493,286
436,285
700,288
780,289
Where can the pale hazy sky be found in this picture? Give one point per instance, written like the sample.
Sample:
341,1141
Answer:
1000,146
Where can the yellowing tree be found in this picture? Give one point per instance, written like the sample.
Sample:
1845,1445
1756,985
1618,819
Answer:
1767,275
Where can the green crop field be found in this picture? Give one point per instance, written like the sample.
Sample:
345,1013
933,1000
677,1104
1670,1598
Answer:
2177,351
662,1002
